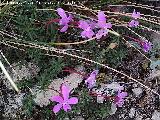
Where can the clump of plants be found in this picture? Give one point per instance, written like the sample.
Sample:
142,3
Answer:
60,38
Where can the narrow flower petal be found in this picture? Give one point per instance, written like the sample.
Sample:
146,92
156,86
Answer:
73,100
64,28
87,33
66,107
83,24
70,18
56,99
101,16
61,12
65,92
101,19
95,72
123,94
136,23
83,34
99,34
57,107
131,23
120,98
120,103
91,80
108,25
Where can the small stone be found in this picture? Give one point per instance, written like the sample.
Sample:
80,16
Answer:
156,115
42,97
137,91
113,109
132,112
139,117
100,99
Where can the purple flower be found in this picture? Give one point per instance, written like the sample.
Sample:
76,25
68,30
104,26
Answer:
120,98
146,46
87,31
64,19
135,14
91,80
103,25
133,23
63,101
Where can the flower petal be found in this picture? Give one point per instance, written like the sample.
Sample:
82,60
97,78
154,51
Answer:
56,99
83,34
135,14
64,28
73,100
119,103
61,12
131,23
65,92
66,107
136,23
99,34
70,17
108,25
89,33
95,72
123,94
57,108
83,24
101,19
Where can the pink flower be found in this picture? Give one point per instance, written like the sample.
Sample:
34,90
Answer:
64,19
134,23
103,25
87,31
63,101
120,98
146,46
91,80
135,14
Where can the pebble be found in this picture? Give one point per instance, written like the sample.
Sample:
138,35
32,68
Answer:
156,115
137,91
132,112
113,109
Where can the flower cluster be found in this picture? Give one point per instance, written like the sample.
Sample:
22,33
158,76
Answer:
86,25
97,28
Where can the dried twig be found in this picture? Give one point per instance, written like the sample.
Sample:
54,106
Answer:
8,77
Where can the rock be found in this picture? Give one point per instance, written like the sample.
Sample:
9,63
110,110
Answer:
132,112
139,117
78,118
42,97
156,115
115,86
113,109
24,71
137,91
12,105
